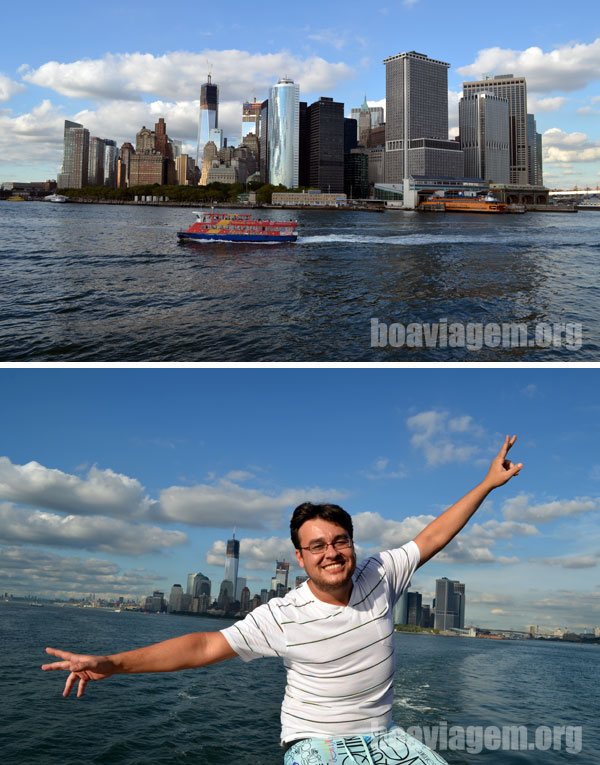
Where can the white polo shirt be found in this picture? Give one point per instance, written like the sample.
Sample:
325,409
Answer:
339,659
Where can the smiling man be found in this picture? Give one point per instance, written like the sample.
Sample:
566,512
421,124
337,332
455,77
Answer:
335,634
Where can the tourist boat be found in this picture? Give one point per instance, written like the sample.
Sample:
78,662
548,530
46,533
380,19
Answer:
15,198
482,204
56,198
238,227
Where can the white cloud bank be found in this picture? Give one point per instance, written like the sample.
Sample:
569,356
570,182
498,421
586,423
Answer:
442,438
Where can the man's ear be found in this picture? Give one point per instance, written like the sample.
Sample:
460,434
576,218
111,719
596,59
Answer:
299,558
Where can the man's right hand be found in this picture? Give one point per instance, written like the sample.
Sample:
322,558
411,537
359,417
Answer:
81,668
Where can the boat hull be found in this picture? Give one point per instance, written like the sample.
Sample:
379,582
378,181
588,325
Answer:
264,238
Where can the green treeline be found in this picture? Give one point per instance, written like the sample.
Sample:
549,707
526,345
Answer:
214,192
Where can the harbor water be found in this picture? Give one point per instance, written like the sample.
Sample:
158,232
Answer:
229,713
101,283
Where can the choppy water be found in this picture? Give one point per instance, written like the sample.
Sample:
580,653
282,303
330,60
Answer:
229,713
111,283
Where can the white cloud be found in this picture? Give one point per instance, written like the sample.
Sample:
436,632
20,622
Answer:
89,532
9,87
24,571
520,508
102,492
177,75
565,68
225,503
437,435
381,469
331,37
373,530
535,104
573,561
569,147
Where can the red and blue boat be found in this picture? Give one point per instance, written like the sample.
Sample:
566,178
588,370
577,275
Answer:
238,227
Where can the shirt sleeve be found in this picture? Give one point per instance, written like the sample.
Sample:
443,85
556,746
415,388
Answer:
258,635
400,565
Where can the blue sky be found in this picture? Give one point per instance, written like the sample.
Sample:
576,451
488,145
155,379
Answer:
120,481
125,65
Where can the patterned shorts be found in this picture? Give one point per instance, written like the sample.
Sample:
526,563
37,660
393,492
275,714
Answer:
393,747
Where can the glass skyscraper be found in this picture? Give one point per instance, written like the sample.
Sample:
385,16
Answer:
284,134
74,171
209,116
232,561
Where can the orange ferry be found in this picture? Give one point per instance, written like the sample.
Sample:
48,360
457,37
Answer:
238,227
487,204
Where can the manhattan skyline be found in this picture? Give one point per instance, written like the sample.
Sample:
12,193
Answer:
140,69
121,481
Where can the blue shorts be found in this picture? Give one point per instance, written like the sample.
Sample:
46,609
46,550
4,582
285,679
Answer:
392,747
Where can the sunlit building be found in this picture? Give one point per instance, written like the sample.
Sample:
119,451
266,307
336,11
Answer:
284,133
251,118
74,171
232,562
484,136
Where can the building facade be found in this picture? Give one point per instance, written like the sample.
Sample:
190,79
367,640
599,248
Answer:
484,136
74,171
232,562
416,89
251,118
209,115
534,148
284,134
449,604
326,127
514,90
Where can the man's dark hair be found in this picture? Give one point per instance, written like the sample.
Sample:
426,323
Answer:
307,511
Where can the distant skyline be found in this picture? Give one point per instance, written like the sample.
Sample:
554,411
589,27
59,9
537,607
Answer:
126,74
122,481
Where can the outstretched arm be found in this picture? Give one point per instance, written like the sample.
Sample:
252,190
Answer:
445,527
194,650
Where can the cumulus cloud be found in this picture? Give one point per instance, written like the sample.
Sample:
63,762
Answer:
225,503
441,437
569,147
535,104
383,468
180,74
520,508
101,492
23,570
9,87
89,532
565,68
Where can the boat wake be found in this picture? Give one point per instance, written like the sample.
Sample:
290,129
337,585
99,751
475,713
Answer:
409,239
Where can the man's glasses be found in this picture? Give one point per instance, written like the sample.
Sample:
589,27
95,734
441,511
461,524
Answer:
339,543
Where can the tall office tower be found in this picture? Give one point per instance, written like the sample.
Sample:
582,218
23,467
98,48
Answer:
413,608
226,595
364,123
326,125
282,570
164,146
251,118
74,171
304,146
416,126
514,90
125,153
111,156
175,599
484,136
449,604
376,115
400,609
244,599
216,136
264,141
284,134
209,115
534,149
197,584
232,561
96,162
240,584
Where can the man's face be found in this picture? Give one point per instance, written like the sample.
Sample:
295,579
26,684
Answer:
331,569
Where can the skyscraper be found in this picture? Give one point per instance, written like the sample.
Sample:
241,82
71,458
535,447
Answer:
111,155
96,162
232,562
209,116
326,126
449,604
514,90
74,171
534,149
282,570
251,118
484,136
416,127
376,116
284,133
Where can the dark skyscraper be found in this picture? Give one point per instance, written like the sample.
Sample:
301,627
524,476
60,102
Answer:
449,604
304,165
326,124
264,141
232,561
209,116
